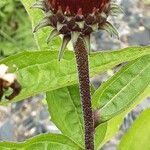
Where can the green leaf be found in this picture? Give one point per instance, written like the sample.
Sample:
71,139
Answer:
28,58
105,131
35,16
65,109
137,137
103,134
124,90
42,142
41,71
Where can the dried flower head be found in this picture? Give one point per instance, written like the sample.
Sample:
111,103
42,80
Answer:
76,17
8,80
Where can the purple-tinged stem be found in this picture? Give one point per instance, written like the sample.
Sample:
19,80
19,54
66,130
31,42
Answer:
83,73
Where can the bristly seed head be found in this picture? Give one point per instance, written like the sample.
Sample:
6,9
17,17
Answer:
80,7
81,16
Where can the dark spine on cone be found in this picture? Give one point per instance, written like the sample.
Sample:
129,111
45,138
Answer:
83,72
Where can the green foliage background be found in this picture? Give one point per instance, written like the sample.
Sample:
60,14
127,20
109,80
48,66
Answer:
15,28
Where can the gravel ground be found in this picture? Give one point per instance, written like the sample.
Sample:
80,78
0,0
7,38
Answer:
30,117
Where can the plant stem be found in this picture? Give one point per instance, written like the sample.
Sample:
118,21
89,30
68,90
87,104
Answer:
83,73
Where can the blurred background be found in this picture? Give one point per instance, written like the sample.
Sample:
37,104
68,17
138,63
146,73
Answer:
25,119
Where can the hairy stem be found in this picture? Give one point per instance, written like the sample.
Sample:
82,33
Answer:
83,72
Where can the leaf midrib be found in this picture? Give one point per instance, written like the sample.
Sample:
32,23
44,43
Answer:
126,85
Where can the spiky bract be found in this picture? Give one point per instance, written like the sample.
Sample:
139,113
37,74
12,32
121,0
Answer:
72,18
